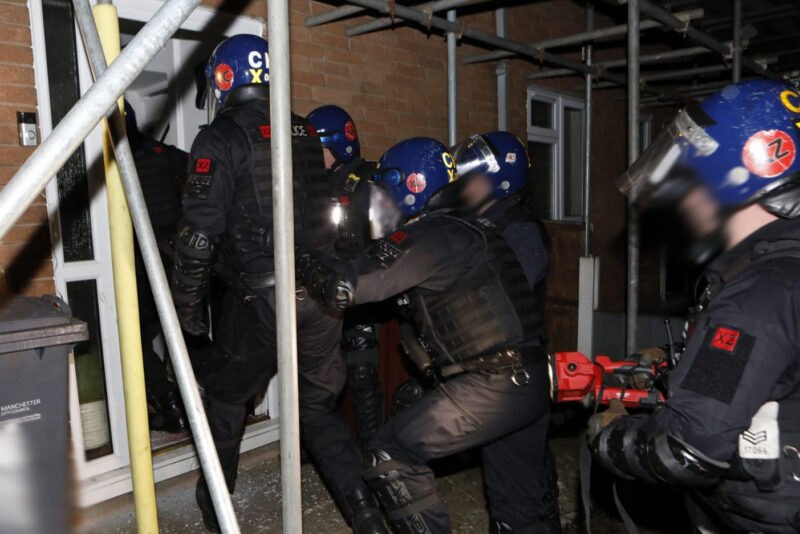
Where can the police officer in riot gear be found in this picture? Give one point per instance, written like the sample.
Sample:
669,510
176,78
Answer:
162,172
730,428
227,216
474,330
493,171
349,173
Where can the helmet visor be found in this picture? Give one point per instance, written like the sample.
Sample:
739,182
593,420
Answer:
652,172
474,155
384,214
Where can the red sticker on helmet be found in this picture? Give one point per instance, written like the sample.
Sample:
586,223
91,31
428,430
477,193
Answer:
769,153
416,182
223,76
350,131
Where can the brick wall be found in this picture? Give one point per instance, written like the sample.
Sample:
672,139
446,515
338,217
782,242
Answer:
25,264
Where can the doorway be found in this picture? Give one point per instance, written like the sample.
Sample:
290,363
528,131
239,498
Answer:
164,98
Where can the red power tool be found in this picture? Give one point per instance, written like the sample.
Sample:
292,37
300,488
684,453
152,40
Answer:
573,377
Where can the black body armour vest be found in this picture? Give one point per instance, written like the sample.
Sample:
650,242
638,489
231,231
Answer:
764,480
490,309
162,172
250,223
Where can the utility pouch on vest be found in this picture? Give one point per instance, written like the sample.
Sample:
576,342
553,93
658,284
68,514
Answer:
415,352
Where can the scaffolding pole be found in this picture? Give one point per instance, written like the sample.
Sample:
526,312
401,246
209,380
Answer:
452,86
429,7
616,63
333,15
502,72
632,305
283,224
584,37
445,25
737,41
654,11
204,443
587,137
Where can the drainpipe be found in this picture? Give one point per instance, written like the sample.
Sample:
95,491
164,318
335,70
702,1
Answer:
502,71
632,310
452,90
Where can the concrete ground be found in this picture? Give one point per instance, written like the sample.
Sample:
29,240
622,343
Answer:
257,500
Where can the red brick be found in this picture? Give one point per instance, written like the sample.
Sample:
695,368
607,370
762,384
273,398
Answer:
329,67
15,33
14,155
14,14
307,78
14,54
306,49
332,96
17,94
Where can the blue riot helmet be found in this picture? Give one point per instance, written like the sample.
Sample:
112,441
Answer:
408,178
740,144
499,156
337,132
241,61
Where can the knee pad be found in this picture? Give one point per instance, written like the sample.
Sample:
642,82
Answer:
403,508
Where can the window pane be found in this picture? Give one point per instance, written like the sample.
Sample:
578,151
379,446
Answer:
62,72
82,297
541,114
573,163
541,182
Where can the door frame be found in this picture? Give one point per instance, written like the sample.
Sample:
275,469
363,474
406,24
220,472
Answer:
109,475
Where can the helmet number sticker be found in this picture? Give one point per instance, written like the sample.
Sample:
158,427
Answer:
223,76
416,182
769,153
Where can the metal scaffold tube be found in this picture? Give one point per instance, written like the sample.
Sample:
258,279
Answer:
66,137
587,140
653,10
283,223
484,37
204,443
428,7
452,87
585,37
615,63
126,300
632,305
334,14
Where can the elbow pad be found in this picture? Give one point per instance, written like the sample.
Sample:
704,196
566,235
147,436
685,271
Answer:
664,459
323,283
194,256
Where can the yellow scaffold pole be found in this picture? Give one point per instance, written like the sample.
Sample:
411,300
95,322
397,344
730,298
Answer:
122,245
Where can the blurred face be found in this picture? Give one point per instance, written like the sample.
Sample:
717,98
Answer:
700,212
475,191
330,160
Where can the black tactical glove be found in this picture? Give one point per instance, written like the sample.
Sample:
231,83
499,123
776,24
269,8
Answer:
194,255
322,282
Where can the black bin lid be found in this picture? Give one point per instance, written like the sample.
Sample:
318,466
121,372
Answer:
19,313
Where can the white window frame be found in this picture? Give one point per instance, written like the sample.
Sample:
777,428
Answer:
555,136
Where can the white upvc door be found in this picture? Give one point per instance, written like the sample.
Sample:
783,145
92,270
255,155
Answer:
100,425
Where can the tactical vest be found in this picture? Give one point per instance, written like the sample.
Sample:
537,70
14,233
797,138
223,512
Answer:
250,222
162,171
489,309
764,483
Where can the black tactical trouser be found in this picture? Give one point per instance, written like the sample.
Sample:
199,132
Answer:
485,410
156,378
245,359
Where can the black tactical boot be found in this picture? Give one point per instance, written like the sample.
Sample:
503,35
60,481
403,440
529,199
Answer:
203,497
365,516
169,415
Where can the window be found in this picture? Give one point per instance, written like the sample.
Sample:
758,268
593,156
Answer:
556,147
